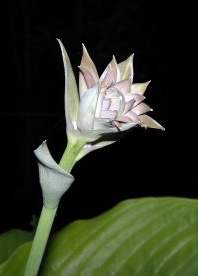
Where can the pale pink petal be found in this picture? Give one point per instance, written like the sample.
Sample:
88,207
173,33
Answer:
99,102
115,104
139,88
111,93
88,77
138,99
126,69
87,63
124,119
133,116
82,84
117,100
128,97
129,105
109,76
106,104
123,86
108,114
141,108
147,121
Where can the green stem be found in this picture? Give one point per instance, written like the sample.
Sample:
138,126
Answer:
68,159
40,241
48,214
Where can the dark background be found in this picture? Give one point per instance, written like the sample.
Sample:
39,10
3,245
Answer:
143,163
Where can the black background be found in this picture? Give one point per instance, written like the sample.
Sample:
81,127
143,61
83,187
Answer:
143,163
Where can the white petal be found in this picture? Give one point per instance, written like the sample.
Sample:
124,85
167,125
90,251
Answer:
102,124
147,121
88,77
89,148
129,117
128,106
106,104
141,108
115,104
127,126
82,84
138,99
139,88
71,92
123,86
87,109
54,180
109,76
101,129
108,114
87,63
126,68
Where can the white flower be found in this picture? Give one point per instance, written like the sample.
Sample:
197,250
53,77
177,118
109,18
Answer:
107,104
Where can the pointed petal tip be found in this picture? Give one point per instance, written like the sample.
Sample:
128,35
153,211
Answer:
159,127
163,128
131,56
114,59
59,41
85,49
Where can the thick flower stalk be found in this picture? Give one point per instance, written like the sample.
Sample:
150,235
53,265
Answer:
103,107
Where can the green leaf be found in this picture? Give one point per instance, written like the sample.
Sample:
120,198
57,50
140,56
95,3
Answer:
15,264
149,236
10,240
138,237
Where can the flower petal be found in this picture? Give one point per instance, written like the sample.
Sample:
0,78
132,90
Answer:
88,77
106,104
82,84
54,180
87,63
128,105
89,148
123,86
71,92
102,124
87,109
109,76
126,68
108,114
129,117
147,121
139,88
124,126
138,99
142,108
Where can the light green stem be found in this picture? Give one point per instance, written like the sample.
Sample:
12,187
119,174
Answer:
68,159
40,241
47,216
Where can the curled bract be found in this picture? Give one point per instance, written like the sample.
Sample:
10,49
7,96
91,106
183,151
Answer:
54,180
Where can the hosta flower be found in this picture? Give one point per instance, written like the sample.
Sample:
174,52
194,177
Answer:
107,104
103,107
